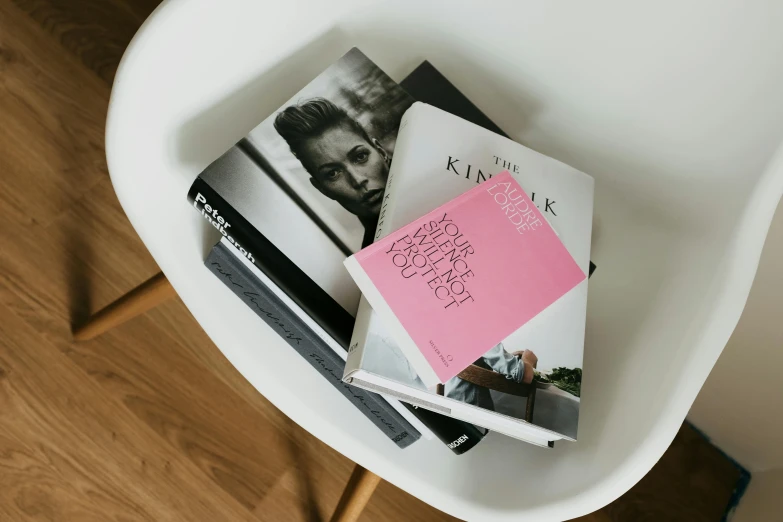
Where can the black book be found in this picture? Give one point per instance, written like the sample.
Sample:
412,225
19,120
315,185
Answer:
426,84
295,210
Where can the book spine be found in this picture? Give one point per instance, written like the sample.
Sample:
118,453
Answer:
253,271
381,308
404,137
457,435
283,272
359,337
287,276
361,329
314,350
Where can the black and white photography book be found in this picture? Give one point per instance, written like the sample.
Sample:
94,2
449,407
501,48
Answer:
328,151
303,190
309,181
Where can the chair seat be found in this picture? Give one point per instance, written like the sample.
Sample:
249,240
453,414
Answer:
675,108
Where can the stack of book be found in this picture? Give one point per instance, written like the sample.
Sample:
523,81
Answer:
471,252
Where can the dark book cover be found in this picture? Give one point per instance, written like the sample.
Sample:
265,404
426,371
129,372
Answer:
426,84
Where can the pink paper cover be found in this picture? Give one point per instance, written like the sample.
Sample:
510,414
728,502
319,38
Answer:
468,274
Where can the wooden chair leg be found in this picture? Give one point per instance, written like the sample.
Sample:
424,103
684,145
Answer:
144,297
356,494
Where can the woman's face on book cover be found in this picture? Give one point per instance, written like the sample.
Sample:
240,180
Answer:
348,169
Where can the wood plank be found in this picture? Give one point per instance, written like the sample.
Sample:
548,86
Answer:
51,139
166,389
91,442
94,31
33,484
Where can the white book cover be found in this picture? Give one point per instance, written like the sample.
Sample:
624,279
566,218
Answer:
438,157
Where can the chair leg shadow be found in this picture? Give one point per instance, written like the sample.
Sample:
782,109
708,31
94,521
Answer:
296,444
79,280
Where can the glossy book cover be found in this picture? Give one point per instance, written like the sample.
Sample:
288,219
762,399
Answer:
456,282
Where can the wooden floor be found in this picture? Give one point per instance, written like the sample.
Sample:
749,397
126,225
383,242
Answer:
150,422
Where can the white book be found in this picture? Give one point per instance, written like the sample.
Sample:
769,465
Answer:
437,157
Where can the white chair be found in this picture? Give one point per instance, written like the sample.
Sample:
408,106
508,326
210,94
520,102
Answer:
675,107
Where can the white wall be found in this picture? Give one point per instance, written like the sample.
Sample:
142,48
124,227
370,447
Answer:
763,501
740,405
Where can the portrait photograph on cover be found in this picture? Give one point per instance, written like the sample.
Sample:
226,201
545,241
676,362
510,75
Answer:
311,176
328,148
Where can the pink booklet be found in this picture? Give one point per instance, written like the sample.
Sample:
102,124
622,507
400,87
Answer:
456,282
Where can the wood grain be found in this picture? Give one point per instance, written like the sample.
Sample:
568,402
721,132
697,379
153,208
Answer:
51,135
150,421
357,493
94,31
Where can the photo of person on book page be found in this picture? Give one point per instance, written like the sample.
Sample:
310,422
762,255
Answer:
311,176
517,367
332,143
557,399
345,164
